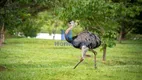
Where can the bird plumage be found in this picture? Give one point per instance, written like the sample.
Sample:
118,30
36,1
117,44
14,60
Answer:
86,38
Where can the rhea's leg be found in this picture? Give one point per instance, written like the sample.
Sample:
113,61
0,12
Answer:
95,53
84,50
78,63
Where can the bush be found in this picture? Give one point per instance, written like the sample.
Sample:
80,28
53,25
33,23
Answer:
30,31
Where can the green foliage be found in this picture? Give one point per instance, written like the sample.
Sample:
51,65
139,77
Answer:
109,39
102,16
16,13
30,28
98,16
77,30
10,17
90,12
49,3
127,15
49,22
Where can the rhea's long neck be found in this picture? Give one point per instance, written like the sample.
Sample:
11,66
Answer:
68,30
67,35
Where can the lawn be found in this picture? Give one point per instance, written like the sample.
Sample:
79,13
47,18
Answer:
33,59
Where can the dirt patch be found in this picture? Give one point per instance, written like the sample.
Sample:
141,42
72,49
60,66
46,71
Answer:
2,68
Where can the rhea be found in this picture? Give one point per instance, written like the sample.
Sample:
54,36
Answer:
84,41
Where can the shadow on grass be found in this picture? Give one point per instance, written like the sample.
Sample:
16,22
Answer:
2,68
118,62
17,66
130,42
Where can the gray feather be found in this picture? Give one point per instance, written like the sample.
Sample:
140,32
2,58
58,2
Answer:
89,39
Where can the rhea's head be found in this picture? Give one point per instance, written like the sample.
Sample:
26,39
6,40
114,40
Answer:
71,24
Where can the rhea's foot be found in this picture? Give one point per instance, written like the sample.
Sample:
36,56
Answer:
87,55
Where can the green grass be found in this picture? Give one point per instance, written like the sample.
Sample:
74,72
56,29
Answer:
32,59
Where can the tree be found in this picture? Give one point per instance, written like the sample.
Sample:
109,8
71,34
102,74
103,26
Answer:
127,16
14,13
97,16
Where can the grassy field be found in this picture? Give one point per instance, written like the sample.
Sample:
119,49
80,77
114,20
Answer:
32,59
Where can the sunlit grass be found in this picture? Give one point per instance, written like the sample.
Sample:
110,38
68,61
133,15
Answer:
32,59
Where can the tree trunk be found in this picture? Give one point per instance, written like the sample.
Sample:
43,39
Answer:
0,39
120,36
104,52
54,36
2,36
54,32
124,33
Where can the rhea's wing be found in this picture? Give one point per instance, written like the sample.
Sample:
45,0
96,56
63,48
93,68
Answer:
81,37
89,39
